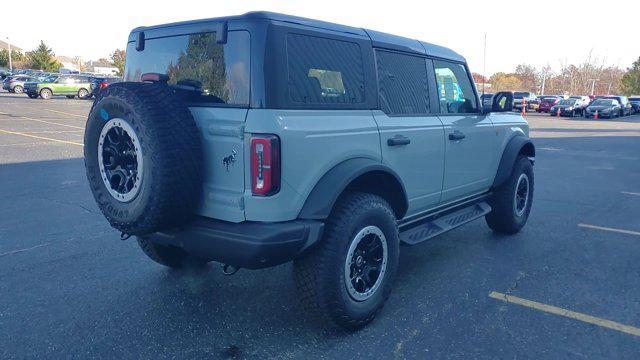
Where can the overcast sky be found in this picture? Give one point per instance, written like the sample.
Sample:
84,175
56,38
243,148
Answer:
537,32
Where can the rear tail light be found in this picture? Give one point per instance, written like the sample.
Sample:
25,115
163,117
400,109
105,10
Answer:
265,164
103,85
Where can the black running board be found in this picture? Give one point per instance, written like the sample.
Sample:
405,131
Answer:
430,228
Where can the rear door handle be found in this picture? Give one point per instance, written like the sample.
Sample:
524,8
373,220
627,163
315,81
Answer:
398,140
457,136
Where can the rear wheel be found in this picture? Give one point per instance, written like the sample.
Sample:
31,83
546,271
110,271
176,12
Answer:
511,203
82,93
348,276
18,89
46,94
169,256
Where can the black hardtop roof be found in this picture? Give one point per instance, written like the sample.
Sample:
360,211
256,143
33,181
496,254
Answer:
379,39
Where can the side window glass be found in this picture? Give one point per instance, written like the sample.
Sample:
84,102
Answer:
402,83
324,71
455,91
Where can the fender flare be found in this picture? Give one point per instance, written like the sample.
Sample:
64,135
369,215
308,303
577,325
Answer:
514,148
325,193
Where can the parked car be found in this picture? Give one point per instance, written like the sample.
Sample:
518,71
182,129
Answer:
625,106
606,108
486,100
530,98
635,104
68,85
230,181
583,102
547,103
15,84
31,87
567,107
99,83
4,72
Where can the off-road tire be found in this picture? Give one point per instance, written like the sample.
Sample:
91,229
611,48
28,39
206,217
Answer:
503,217
319,274
169,256
171,183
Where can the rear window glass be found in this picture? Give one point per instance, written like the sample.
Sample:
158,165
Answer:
324,71
207,72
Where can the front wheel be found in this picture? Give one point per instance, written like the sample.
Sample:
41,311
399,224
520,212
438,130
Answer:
511,202
349,275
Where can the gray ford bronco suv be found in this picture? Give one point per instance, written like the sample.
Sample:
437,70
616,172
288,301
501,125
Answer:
260,139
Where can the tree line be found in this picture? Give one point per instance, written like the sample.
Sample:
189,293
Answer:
43,58
590,77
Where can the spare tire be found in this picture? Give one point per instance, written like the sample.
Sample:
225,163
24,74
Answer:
143,157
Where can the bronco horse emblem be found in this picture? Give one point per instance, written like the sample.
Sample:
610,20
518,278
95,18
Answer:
230,160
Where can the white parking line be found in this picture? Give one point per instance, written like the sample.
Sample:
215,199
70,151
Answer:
41,137
621,231
22,250
46,122
631,330
630,193
66,113
24,144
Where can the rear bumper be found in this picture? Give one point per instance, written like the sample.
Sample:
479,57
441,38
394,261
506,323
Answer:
250,245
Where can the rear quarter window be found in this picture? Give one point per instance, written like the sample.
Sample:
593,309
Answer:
208,72
324,71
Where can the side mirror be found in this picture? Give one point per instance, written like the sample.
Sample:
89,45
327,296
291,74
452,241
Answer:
501,102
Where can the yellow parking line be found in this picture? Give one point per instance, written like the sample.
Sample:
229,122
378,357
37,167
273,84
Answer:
566,313
630,193
46,122
66,113
41,137
621,231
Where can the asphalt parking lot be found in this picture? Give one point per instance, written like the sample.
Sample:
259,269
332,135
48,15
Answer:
567,286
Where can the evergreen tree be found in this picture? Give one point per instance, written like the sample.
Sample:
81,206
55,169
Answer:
630,82
43,58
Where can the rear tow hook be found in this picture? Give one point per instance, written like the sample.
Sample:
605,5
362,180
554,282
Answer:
229,269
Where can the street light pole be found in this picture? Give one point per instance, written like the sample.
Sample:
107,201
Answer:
484,63
593,85
9,45
544,80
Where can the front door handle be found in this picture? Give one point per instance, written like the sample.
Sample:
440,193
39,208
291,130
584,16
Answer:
457,136
398,140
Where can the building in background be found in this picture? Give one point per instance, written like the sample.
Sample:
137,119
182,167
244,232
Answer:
4,45
69,65
103,70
